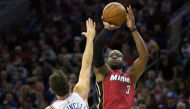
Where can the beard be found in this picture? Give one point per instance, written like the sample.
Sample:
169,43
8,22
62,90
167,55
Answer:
115,67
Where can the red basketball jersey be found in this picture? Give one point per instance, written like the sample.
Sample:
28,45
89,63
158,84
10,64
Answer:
116,91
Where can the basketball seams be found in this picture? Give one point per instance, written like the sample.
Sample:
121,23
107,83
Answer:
111,10
107,9
115,15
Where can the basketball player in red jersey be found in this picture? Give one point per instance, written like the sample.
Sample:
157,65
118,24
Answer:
115,89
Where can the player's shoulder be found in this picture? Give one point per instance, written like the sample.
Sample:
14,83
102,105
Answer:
77,95
48,107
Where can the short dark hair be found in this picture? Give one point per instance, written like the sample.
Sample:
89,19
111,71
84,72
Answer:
59,83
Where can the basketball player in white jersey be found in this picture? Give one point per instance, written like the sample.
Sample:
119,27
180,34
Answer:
60,86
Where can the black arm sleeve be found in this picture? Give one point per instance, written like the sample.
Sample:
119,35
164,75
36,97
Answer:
99,45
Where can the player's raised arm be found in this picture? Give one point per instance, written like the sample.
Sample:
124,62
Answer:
83,85
100,67
140,63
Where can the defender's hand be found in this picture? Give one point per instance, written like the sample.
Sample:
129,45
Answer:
130,19
91,29
109,26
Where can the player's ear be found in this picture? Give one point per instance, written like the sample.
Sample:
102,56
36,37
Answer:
51,90
71,88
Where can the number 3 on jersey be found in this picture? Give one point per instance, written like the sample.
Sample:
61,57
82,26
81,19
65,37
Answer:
128,89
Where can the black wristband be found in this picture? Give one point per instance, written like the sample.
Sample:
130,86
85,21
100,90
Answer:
133,29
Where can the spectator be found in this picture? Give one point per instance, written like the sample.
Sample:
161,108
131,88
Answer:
167,66
181,105
171,100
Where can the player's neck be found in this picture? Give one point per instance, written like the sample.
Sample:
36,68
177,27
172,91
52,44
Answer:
116,69
62,97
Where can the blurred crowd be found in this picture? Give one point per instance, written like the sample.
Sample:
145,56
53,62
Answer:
50,39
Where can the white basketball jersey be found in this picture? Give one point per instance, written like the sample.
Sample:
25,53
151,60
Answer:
74,101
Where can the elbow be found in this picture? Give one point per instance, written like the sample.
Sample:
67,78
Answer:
146,54
146,57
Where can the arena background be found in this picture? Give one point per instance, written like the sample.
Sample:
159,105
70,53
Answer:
37,36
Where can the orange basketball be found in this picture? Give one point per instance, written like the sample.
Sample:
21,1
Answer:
114,13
